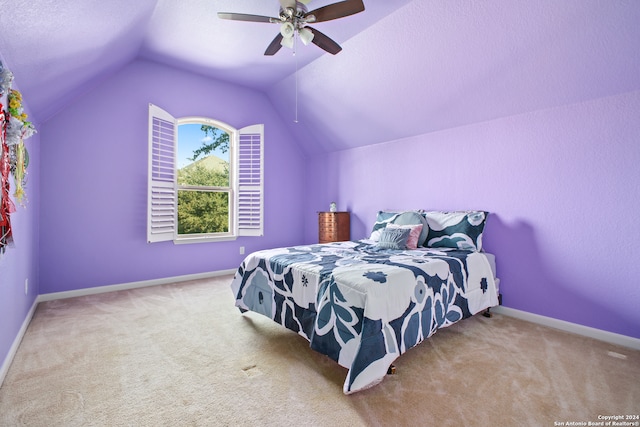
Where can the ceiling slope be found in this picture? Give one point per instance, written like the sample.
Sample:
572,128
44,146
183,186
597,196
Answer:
434,65
58,48
406,68
190,36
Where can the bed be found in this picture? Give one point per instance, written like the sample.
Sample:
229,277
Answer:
364,303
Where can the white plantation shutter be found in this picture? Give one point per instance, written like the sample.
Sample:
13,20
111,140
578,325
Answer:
162,193
249,203
162,199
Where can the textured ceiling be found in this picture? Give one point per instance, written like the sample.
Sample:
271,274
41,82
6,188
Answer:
435,65
61,47
407,68
193,37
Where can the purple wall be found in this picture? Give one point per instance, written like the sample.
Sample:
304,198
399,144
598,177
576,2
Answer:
19,262
563,186
94,180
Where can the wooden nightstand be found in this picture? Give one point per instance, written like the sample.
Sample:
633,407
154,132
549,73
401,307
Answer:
333,227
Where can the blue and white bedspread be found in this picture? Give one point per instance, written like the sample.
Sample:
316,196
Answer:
363,306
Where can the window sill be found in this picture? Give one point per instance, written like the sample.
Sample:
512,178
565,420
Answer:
200,239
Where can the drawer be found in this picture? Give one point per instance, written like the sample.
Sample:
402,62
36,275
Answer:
333,226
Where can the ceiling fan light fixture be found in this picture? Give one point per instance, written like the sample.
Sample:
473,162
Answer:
287,30
287,42
305,35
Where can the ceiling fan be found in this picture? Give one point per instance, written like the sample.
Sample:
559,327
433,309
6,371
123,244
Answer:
294,18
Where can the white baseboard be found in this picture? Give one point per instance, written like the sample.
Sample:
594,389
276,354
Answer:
132,285
16,342
598,334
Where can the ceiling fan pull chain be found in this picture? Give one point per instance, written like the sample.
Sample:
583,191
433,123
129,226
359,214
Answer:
295,44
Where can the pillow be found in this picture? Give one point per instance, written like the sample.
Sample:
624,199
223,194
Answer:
414,234
414,218
382,219
393,238
385,218
459,230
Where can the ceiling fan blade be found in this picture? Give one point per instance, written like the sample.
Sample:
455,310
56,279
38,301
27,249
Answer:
324,42
246,17
274,46
337,10
288,3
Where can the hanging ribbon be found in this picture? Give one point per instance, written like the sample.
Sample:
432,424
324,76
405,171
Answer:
14,158
6,205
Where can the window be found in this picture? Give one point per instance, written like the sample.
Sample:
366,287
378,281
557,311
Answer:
205,179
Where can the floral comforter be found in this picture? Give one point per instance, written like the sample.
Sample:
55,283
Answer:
363,306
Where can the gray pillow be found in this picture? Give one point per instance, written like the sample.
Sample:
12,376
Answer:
414,218
393,238
400,218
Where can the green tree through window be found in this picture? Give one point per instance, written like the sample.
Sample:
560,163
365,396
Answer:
204,180
219,141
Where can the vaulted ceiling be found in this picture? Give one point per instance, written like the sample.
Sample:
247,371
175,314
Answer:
407,67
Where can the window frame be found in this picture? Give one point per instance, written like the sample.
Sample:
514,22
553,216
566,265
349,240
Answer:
231,189
246,164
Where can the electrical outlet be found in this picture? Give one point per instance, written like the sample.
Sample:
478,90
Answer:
26,286
241,250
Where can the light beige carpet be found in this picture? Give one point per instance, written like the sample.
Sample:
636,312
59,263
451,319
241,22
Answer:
183,355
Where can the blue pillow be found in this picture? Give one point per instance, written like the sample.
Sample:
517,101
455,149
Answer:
394,238
399,218
414,218
382,219
458,230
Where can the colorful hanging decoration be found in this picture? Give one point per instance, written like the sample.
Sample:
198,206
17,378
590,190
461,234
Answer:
6,79
18,130
6,205
14,157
